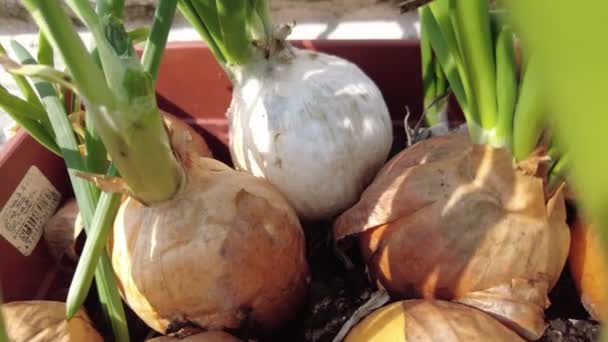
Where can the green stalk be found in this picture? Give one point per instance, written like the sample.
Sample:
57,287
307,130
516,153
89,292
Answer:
25,115
232,16
530,114
472,23
45,54
24,86
206,11
86,196
449,61
110,7
189,12
110,202
428,73
24,57
226,26
57,27
506,84
97,237
155,45
129,122
558,173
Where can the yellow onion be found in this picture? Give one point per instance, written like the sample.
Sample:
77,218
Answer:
209,336
587,268
44,321
430,321
226,249
184,138
62,230
451,220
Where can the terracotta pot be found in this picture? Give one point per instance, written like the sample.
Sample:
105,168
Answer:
192,86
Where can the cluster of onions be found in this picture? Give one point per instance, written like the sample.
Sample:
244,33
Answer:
470,219
312,124
192,242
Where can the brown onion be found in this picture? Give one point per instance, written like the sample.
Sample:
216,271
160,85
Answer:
227,249
209,336
62,230
430,321
185,138
451,220
44,321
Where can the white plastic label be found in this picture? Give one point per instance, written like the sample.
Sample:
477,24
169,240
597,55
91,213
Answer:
31,205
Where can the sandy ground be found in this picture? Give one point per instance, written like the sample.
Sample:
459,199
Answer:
315,19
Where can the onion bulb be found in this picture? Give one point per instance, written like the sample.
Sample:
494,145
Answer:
209,336
227,249
312,124
587,268
430,321
62,230
184,138
451,220
44,321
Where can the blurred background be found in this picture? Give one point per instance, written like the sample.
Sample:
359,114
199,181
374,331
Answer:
315,19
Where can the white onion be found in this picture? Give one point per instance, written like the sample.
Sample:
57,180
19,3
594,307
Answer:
312,124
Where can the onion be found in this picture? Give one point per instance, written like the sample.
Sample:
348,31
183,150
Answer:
226,249
432,321
184,138
587,268
451,220
313,125
210,336
62,230
40,321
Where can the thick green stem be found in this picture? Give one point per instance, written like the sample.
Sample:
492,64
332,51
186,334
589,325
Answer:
530,113
232,18
506,84
475,41
132,131
155,45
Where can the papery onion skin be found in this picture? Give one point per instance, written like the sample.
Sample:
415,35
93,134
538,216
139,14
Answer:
587,268
184,137
227,249
313,125
451,220
44,321
210,336
430,321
